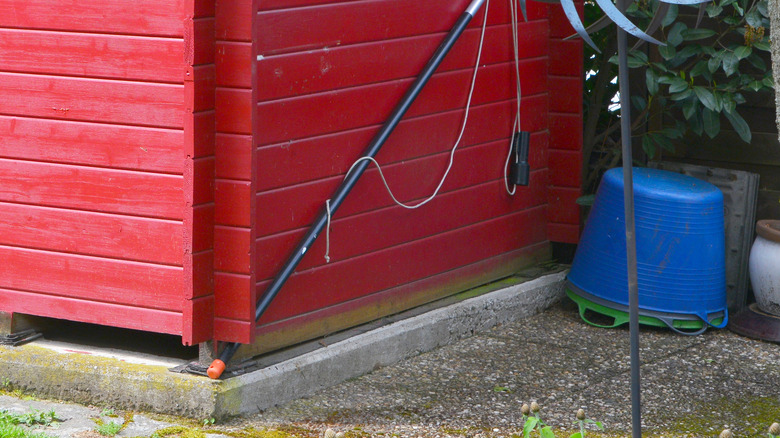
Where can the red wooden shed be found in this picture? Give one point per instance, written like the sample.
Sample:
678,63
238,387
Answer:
159,159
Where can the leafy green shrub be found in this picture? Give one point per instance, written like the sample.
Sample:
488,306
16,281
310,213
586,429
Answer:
701,74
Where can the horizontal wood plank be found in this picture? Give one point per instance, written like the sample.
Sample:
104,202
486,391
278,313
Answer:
89,233
90,188
202,227
92,55
270,5
564,56
143,17
202,189
565,168
94,312
234,64
566,131
91,278
232,249
560,26
369,308
233,201
363,233
412,138
332,25
198,320
730,148
233,330
234,156
563,205
235,111
367,105
297,206
234,20
565,94
235,296
402,264
122,147
564,233
99,100
341,67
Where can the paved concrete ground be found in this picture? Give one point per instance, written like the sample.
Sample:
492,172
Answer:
692,386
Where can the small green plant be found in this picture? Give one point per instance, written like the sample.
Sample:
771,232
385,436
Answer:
107,412
11,424
208,421
108,429
30,419
112,428
582,420
533,423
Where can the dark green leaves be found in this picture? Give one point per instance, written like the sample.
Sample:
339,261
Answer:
651,80
697,34
706,98
677,85
730,63
710,122
739,125
675,35
742,52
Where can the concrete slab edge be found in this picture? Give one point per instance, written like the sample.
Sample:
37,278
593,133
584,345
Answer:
112,382
106,382
311,372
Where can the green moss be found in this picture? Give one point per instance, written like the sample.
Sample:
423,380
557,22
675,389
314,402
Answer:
746,416
451,431
179,432
92,379
282,432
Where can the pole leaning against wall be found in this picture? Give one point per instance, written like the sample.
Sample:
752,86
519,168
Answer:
218,365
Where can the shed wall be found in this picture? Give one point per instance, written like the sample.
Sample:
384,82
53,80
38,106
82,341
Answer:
157,165
96,184
327,75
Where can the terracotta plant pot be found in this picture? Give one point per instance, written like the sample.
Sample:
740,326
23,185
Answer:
765,266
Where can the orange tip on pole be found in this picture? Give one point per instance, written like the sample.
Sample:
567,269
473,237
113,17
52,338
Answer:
216,369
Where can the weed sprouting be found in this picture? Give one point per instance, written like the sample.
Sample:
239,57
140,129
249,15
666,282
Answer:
108,429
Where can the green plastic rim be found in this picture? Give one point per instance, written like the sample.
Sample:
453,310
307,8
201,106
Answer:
621,317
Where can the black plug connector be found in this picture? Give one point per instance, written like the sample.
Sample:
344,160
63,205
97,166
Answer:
519,169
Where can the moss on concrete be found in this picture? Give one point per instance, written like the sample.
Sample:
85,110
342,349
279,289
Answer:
91,379
748,417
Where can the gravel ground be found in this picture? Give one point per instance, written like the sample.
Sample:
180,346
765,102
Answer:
691,385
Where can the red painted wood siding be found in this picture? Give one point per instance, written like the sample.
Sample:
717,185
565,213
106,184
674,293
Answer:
565,84
157,167
323,86
235,167
107,162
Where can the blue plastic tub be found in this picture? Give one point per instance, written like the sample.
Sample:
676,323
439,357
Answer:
680,250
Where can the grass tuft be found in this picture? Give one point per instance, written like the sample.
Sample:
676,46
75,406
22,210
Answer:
10,425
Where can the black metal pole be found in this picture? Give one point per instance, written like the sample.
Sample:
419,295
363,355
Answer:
628,200
218,366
